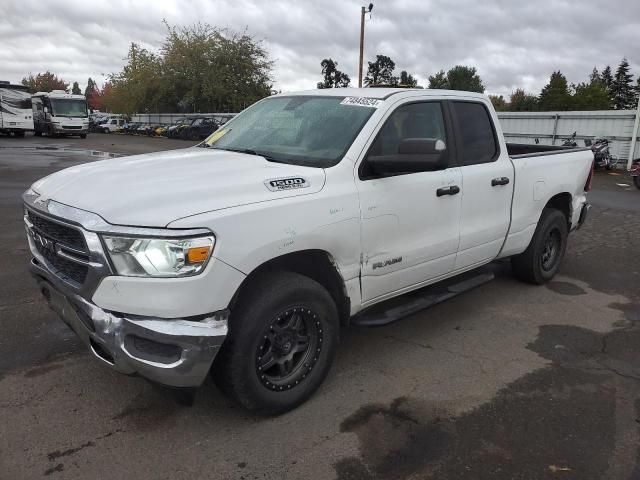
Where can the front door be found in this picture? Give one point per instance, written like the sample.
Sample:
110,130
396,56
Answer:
409,222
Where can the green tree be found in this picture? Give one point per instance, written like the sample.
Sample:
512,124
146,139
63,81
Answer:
499,103
556,95
407,80
44,82
521,101
380,72
592,95
333,78
76,89
199,68
459,77
607,78
622,89
439,81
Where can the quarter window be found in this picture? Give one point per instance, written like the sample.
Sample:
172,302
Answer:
476,135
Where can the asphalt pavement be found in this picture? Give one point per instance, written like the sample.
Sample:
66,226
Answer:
508,381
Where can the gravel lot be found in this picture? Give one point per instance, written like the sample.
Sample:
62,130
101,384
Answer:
507,381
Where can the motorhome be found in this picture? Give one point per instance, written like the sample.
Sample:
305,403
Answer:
16,116
60,113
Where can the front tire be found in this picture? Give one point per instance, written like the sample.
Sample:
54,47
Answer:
540,262
282,339
636,182
83,136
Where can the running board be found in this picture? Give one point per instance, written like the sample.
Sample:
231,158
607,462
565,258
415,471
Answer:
410,303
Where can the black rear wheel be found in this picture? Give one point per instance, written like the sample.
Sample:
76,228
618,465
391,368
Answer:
282,339
541,260
636,182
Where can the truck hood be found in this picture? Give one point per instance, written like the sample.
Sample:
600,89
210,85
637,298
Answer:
155,189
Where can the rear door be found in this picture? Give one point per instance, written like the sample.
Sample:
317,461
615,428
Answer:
409,227
487,184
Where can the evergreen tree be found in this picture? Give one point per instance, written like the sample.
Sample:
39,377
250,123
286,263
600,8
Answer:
333,78
76,89
556,95
407,80
438,81
622,90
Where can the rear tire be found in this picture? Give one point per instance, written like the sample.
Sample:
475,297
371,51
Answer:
541,260
282,339
636,182
83,135
37,133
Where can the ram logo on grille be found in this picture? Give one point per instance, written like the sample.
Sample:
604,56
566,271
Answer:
44,242
288,183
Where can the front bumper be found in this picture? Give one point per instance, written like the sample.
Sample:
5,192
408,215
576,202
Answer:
172,352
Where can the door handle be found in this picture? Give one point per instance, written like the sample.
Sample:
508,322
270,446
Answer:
452,190
499,181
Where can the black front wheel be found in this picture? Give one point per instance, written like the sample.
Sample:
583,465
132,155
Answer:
282,340
636,182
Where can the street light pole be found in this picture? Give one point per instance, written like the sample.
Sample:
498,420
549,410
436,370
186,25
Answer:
363,12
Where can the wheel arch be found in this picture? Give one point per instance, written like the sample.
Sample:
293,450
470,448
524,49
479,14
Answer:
564,203
318,265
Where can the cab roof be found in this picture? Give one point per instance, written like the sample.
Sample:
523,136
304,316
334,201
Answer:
382,93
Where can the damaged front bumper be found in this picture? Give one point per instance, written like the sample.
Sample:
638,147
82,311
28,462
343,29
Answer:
172,352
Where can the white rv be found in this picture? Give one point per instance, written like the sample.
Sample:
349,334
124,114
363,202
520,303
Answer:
16,116
60,113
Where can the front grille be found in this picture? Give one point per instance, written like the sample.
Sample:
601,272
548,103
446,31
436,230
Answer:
61,236
72,127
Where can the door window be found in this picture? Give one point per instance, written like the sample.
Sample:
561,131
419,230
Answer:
476,135
423,120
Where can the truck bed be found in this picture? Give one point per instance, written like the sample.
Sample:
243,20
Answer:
521,150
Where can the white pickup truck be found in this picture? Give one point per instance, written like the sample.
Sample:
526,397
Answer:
245,256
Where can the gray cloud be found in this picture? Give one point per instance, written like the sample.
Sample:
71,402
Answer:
513,44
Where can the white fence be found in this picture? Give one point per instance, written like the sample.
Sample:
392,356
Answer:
551,128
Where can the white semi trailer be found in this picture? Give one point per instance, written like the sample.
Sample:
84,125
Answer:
16,116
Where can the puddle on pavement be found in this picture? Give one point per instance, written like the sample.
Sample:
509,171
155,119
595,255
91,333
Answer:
577,416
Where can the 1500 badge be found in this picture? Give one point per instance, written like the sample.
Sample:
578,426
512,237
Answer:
289,183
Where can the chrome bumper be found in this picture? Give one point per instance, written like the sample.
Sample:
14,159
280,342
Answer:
172,352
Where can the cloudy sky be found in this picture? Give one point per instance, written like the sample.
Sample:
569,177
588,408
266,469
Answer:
513,43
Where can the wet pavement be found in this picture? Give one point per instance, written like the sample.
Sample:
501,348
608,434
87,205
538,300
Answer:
508,381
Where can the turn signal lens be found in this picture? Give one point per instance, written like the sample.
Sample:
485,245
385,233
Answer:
198,254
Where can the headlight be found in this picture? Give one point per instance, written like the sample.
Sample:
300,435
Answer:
159,257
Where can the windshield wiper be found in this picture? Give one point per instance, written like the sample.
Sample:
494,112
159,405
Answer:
250,151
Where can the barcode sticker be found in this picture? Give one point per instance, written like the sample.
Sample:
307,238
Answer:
362,102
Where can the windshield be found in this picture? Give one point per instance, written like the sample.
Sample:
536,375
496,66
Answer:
68,107
303,130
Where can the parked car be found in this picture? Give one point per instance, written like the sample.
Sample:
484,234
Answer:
173,130
199,128
112,124
245,257
635,172
130,127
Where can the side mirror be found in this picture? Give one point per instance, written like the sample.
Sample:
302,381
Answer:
414,155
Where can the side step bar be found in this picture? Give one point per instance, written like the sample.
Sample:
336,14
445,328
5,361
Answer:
410,303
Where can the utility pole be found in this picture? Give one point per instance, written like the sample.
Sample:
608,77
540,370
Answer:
363,12
634,136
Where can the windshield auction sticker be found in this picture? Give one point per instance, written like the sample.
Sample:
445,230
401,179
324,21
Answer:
215,136
362,101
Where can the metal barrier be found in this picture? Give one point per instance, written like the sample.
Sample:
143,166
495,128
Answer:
551,128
